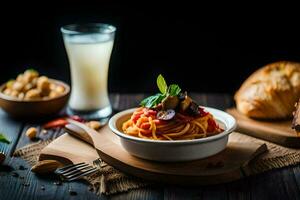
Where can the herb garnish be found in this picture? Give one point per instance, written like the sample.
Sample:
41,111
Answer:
3,139
172,90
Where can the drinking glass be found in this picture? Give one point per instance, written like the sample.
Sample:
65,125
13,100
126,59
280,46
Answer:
89,48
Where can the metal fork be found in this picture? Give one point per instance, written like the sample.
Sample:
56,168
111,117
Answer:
76,171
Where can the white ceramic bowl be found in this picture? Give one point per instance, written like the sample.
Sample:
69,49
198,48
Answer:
173,151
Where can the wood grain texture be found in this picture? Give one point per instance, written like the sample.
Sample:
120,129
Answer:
276,184
233,159
279,132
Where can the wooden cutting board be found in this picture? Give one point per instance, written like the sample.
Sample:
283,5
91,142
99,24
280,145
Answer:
230,164
279,132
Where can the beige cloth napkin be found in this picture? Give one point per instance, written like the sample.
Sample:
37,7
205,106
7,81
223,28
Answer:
109,180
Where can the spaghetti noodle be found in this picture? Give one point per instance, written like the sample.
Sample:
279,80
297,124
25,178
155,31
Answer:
145,124
170,115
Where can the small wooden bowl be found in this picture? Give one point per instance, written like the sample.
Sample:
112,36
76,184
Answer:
34,108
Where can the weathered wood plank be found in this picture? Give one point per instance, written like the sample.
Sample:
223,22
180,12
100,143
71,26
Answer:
268,185
11,128
290,183
239,189
277,184
14,186
177,192
152,193
214,192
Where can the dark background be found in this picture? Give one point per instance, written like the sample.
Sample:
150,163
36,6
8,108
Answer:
204,49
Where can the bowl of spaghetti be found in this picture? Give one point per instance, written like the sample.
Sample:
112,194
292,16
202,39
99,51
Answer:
171,127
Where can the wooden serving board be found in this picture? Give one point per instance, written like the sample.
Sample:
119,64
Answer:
279,132
231,164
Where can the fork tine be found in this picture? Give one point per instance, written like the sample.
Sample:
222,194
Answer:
97,161
65,167
69,167
83,174
77,173
77,170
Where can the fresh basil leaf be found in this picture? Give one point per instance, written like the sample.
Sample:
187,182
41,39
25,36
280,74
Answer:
152,101
161,84
160,98
144,101
174,90
4,139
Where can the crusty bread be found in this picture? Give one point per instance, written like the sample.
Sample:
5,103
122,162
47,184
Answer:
270,92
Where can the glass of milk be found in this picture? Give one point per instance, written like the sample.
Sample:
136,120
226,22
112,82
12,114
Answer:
89,48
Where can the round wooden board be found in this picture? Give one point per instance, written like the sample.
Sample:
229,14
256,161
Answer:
228,165
279,132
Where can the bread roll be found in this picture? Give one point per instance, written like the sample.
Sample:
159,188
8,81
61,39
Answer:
270,92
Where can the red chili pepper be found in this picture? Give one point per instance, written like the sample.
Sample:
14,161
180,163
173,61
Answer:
76,118
60,122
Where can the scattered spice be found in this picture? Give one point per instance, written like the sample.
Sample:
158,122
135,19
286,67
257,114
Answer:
2,157
42,187
21,167
72,192
26,184
31,133
15,174
57,183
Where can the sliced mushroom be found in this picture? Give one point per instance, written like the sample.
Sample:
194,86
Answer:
185,103
182,96
170,102
166,114
193,109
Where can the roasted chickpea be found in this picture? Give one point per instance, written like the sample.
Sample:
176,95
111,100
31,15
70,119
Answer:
7,91
34,81
21,95
31,73
27,87
53,94
33,94
59,89
20,78
43,85
18,86
10,83
52,86
30,86
14,93
31,133
26,79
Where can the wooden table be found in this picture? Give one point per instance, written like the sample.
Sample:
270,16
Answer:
276,184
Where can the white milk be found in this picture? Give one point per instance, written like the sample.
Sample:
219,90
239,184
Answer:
89,57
